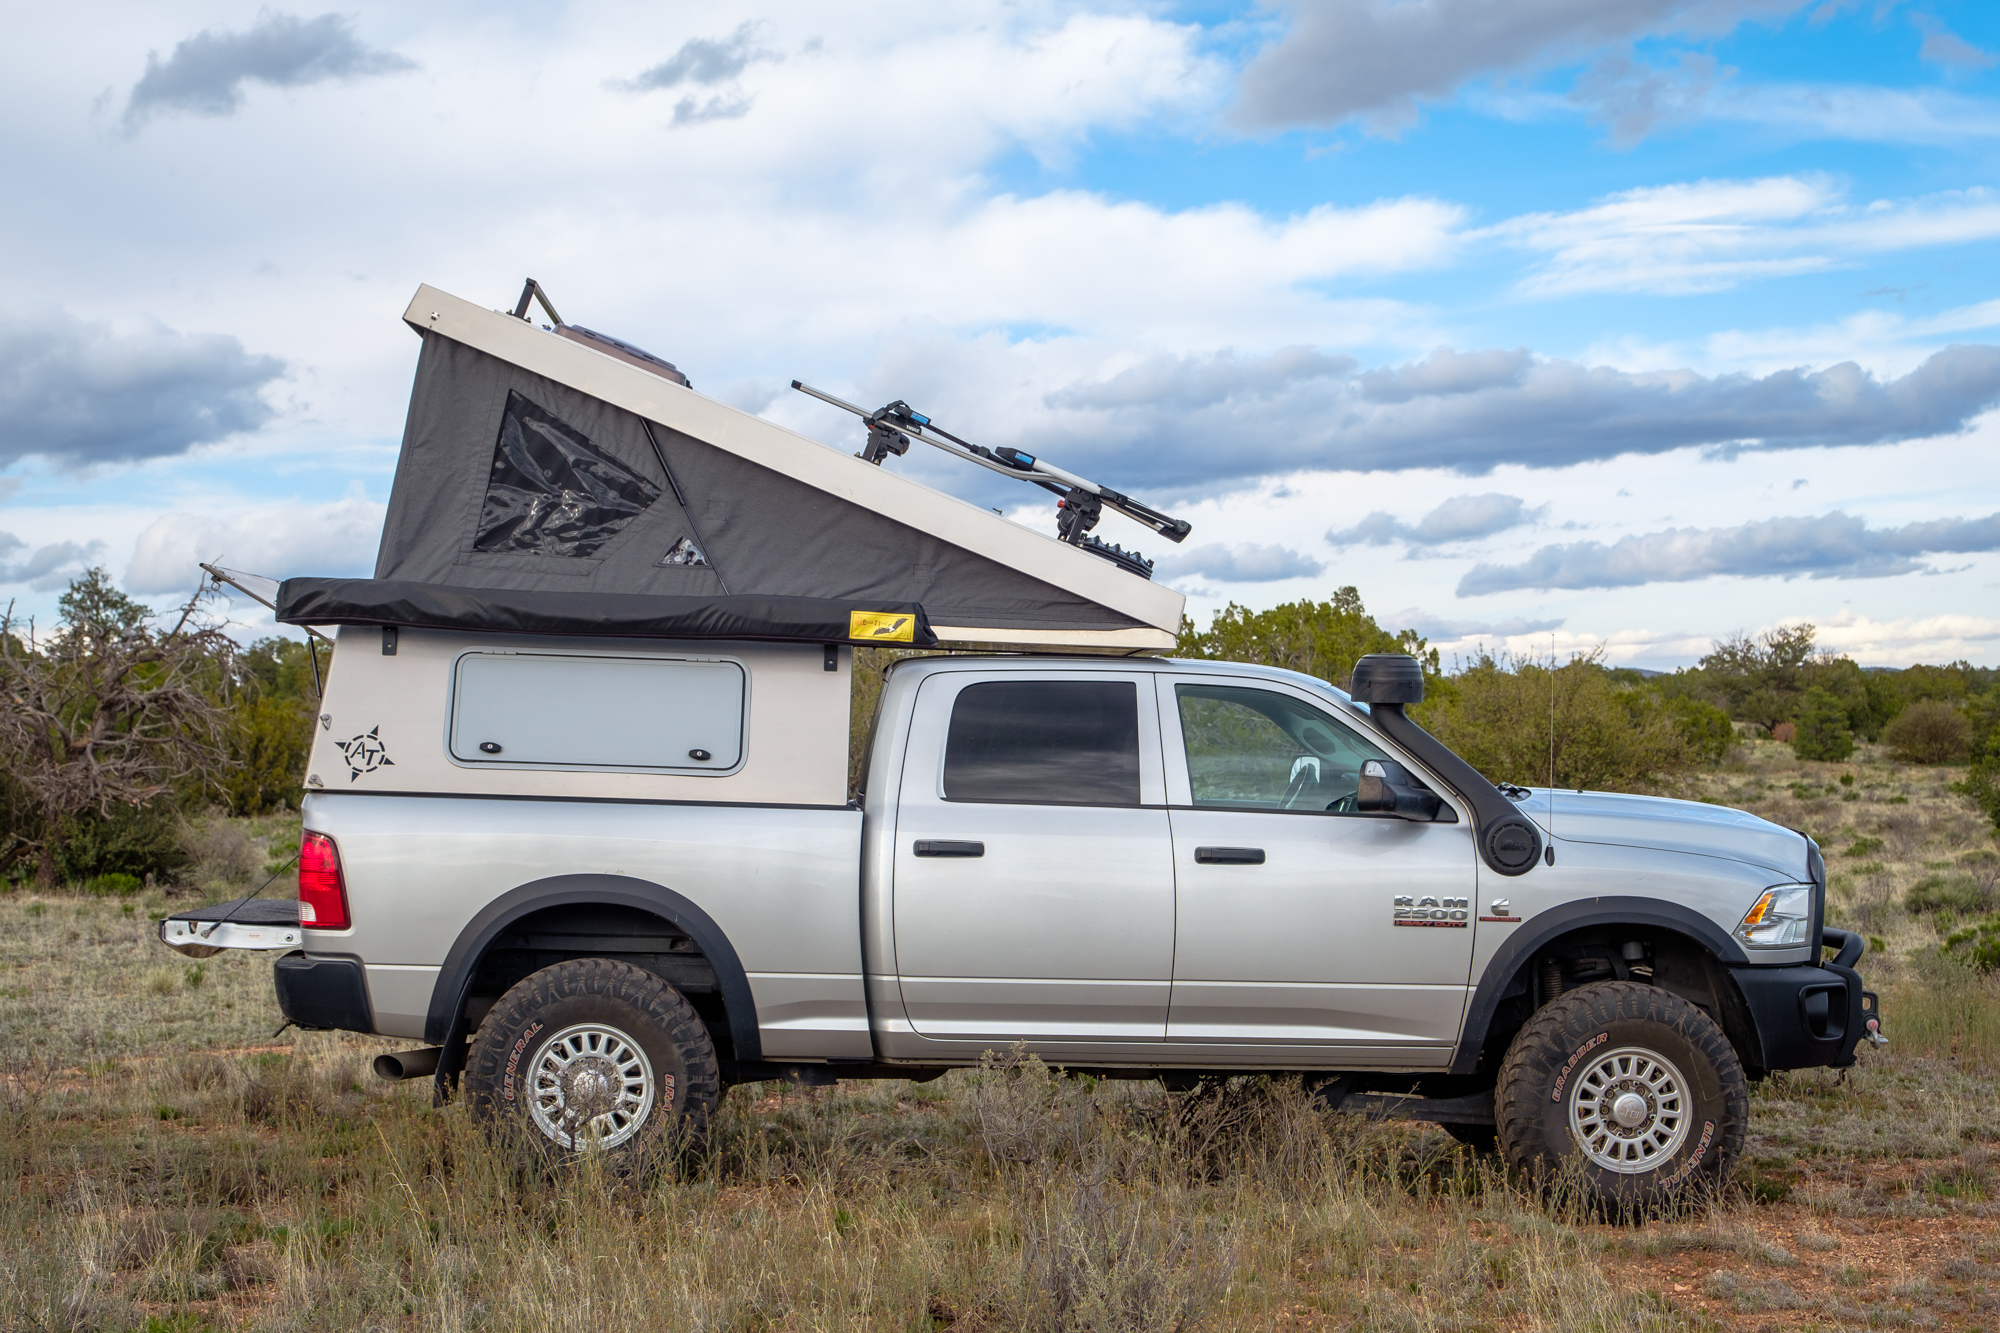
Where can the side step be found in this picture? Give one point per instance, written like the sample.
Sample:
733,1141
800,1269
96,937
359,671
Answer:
240,923
1339,1094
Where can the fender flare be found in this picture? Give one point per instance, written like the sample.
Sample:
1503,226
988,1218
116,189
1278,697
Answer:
1538,930
455,976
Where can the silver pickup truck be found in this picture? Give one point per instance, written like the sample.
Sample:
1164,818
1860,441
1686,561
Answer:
603,880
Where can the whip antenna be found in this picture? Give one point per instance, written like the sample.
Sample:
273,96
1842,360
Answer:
1551,857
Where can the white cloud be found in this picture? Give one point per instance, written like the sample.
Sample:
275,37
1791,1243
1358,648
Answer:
1461,518
1902,640
206,73
1834,545
78,392
1377,59
1255,422
46,568
1712,235
278,540
1244,562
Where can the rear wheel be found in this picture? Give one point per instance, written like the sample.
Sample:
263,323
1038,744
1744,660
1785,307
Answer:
593,1056
1627,1089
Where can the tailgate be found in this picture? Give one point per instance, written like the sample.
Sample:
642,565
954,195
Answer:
240,923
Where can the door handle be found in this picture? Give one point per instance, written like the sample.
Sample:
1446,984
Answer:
1229,856
930,847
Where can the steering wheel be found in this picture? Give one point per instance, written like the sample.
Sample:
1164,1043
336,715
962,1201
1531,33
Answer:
1297,786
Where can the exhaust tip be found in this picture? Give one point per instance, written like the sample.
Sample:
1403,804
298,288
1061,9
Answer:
395,1067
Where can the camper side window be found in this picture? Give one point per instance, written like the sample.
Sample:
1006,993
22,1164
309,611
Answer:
1044,742
563,711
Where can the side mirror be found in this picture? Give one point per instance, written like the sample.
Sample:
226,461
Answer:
1389,788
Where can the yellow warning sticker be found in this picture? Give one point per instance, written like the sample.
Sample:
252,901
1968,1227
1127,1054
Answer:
882,626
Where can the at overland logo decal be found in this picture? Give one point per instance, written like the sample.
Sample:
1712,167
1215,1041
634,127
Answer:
365,753
1556,1093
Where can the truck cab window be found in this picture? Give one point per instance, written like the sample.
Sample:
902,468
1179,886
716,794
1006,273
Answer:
1044,742
1260,750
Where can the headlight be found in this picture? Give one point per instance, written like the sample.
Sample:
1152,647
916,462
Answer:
1780,919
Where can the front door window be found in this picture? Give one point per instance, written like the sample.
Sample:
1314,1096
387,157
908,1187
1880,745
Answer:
1257,750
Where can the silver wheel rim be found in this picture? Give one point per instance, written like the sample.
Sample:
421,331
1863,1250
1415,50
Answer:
1629,1110
590,1086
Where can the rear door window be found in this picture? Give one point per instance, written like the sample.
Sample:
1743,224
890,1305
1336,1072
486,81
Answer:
1044,742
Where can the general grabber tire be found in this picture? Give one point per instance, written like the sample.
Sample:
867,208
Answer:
1627,1090
594,1056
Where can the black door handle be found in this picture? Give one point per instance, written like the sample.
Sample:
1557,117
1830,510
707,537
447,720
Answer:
1229,856
928,847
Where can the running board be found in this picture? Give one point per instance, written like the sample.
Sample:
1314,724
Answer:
1474,1110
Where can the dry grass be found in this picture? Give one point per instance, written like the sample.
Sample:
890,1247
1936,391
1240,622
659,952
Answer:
165,1166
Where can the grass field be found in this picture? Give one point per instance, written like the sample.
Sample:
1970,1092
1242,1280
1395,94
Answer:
171,1162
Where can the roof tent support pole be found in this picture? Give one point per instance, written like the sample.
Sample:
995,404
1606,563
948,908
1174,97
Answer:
681,499
533,291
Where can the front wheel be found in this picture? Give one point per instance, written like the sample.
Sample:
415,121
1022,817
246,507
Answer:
594,1056
1628,1087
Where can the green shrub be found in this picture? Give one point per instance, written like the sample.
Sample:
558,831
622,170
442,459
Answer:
1608,735
1982,783
271,728
1927,732
1705,730
1978,945
122,885
1321,639
1949,893
1864,846
1822,730
135,840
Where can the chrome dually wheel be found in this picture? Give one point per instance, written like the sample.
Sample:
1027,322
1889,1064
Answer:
1629,1110
590,1086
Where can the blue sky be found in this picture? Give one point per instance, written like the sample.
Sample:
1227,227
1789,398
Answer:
1618,322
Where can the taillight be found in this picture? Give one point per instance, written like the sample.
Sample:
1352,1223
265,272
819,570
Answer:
322,892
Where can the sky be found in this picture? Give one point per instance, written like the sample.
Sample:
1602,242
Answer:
1548,324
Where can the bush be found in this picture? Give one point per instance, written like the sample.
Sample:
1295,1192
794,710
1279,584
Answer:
1928,732
1705,729
1607,736
1978,945
132,840
1822,731
1955,893
1321,639
1982,784
271,728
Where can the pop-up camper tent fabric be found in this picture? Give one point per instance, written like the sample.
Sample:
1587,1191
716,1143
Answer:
514,479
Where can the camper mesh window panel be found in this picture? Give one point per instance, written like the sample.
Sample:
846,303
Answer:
1044,742
551,492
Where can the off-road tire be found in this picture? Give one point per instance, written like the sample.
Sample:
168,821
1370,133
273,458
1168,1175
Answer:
1569,1068
667,1047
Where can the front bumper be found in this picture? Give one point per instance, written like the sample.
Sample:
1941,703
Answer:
1812,1015
323,992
